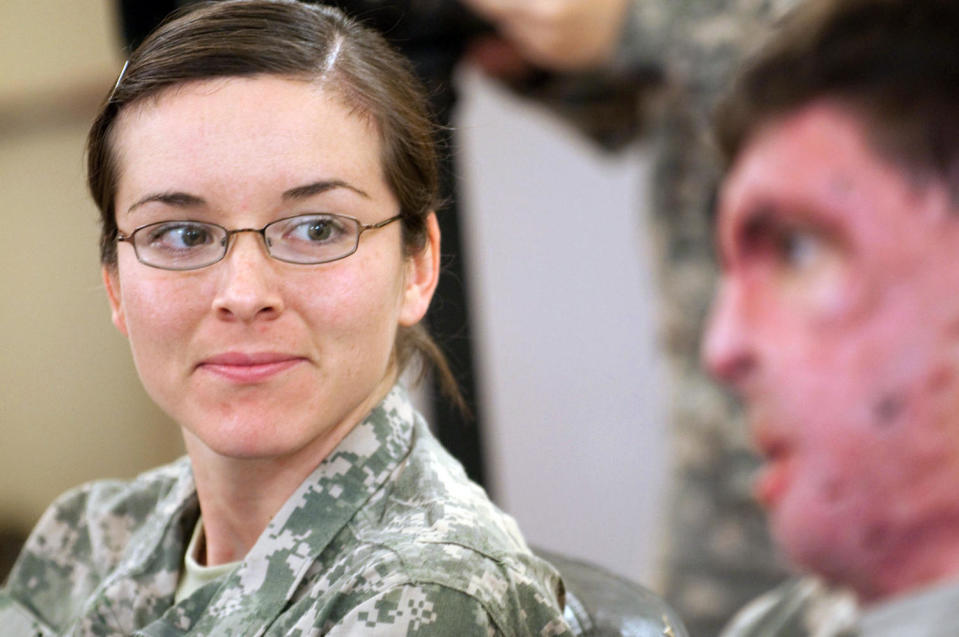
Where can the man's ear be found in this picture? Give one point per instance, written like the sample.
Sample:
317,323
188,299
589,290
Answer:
111,282
421,277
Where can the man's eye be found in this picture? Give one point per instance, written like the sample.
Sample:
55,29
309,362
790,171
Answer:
799,249
792,246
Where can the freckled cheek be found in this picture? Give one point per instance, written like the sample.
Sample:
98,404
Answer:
348,308
162,311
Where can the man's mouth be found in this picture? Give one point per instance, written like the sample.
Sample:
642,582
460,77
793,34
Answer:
775,475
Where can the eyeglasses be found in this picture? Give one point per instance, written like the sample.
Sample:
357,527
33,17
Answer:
305,239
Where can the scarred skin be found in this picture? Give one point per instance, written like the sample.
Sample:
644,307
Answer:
837,322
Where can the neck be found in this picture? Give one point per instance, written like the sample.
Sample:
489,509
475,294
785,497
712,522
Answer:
239,496
920,558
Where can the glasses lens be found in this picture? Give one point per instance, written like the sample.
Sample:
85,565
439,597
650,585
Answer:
314,238
180,245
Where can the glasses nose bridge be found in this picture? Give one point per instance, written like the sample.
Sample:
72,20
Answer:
228,240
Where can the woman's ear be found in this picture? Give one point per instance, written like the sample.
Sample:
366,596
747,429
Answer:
111,282
422,274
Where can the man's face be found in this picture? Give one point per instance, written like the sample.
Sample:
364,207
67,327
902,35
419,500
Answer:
837,321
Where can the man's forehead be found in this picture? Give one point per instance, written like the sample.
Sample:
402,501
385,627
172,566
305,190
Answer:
819,167
811,160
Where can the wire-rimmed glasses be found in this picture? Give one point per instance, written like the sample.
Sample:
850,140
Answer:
307,239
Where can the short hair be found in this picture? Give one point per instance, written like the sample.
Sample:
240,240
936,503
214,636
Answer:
288,38
894,62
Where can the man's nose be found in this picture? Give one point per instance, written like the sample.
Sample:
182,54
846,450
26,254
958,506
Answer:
727,352
248,289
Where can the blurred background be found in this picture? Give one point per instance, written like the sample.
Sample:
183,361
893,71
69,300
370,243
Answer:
575,438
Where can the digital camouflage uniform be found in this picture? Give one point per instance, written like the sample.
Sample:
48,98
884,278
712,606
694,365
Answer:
807,608
386,537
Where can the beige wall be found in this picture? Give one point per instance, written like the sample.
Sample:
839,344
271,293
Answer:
71,407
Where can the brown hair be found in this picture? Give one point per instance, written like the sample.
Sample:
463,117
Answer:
235,38
894,62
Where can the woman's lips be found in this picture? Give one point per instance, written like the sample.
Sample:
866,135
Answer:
249,368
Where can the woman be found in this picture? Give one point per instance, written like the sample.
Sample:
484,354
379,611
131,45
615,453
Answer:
266,177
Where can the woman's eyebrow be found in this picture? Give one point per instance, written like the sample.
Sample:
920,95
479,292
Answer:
317,187
186,200
177,199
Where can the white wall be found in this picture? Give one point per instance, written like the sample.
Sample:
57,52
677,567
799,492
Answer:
575,437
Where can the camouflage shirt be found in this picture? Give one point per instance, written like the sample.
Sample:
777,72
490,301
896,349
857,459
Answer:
386,537
807,608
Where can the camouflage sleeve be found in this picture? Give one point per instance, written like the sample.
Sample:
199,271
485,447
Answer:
431,610
81,536
664,45
18,621
606,103
693,43
54,571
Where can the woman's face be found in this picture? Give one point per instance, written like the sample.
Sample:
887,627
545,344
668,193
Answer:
254,357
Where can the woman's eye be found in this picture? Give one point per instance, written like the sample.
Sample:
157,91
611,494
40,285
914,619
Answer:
180,236
317,230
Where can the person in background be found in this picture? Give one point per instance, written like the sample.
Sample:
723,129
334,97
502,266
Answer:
266,175
837,318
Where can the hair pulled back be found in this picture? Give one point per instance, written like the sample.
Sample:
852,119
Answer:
312,42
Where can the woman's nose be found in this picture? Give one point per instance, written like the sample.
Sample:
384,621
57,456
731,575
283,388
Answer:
727,352
249,289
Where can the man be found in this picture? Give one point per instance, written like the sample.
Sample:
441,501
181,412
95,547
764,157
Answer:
837,317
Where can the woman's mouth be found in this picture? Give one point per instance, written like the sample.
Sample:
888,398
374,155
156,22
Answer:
246,368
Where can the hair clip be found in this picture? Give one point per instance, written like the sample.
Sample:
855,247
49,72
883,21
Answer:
119,79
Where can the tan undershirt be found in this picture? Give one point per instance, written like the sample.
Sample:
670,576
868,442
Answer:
194,575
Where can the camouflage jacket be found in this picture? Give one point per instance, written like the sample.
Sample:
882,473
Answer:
807,608
386,537
798,608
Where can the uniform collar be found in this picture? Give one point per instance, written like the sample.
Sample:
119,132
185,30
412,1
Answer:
249,600
930,612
